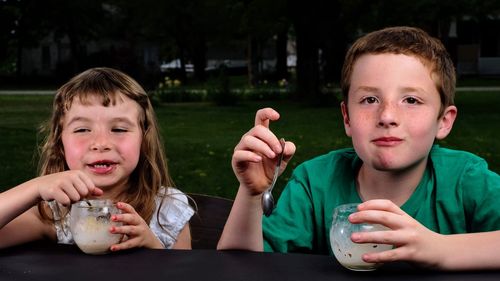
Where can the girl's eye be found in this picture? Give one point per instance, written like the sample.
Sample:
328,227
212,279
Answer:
81,130
119,130
369,100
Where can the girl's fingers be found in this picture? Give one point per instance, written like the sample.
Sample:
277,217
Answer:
125,208
128,244
71,190
89,185
129,230
127,218
62,198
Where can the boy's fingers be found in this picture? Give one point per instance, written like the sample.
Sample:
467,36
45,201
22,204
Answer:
289,151
264,115
243,156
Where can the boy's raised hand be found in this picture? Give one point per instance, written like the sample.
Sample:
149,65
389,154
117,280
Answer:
412,241
255,156
65,187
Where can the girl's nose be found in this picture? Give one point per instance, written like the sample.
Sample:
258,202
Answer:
100,143
388,115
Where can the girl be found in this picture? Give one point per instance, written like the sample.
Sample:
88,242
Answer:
103,141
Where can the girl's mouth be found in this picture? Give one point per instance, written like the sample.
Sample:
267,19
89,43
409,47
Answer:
102,167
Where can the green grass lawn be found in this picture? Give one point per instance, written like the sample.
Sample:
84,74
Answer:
200,138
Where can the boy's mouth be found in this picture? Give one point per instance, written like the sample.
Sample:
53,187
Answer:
387,141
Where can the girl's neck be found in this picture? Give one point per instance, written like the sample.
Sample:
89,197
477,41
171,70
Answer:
115,193
395,186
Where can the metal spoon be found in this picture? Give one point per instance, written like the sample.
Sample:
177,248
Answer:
267,197
87,201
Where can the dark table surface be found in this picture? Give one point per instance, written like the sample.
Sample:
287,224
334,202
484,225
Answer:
65,262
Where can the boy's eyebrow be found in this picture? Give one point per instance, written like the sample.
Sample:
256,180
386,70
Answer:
376,90
413,89
367,89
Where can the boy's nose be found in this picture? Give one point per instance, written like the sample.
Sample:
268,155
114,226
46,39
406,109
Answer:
388,115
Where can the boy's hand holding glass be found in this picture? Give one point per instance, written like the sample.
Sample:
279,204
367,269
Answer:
347,252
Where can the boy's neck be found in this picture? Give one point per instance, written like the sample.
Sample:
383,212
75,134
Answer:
395,186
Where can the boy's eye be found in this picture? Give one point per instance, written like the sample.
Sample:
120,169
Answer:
412,100
369,100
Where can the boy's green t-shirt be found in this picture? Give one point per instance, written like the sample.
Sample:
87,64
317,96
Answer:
457,194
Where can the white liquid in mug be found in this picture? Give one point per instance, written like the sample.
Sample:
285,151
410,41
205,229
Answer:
93,237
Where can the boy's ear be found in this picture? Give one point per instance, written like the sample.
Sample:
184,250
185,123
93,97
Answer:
345,116
446,122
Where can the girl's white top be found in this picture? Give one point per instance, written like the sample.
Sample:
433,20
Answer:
174,214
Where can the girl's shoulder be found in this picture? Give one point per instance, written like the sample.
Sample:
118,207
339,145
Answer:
173,212
172,193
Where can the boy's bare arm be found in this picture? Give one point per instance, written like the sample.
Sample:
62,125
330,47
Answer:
471,251
243,229
254,160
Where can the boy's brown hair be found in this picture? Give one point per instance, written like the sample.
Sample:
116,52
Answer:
409,41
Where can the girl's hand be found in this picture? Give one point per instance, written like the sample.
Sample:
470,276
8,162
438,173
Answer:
412,241
65,187
255,156
135,230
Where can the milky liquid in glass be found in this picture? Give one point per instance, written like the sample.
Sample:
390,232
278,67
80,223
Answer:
90,224
347,252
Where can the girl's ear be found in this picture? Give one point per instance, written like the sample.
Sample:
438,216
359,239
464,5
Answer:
345,116
446,122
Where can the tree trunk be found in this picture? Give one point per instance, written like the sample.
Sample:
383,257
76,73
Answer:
281,55
307,62
200,59
253,60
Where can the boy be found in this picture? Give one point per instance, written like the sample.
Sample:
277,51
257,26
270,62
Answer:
441,205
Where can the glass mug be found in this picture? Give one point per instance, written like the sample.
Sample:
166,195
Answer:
90,223
347,252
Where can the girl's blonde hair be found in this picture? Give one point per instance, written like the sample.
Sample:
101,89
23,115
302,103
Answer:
108,84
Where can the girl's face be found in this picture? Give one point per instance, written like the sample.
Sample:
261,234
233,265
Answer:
392,111
104,142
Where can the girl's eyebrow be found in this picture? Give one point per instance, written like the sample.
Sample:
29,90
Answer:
113,120
77,119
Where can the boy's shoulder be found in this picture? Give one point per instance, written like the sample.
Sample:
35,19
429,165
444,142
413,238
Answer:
338,159
447,156
453,163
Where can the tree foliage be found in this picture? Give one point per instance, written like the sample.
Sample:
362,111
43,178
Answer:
323,29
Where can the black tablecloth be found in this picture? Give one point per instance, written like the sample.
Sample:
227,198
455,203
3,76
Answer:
66,262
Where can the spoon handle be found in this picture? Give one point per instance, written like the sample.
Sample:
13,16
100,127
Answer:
278,165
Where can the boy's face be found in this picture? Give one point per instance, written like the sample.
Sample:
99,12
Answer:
392,111
104,142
